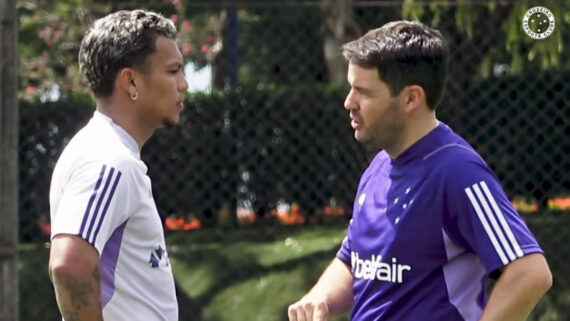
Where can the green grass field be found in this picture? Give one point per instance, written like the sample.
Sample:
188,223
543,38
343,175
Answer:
247,274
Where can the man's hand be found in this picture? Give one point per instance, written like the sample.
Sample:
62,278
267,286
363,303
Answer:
307,310
332,294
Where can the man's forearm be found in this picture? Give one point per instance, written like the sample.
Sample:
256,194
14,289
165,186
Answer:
78,298
331,294
335,286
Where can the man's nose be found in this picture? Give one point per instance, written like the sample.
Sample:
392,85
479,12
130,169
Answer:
349,101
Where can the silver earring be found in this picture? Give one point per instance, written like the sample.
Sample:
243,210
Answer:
135,96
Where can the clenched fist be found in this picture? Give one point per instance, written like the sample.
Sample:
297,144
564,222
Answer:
307,310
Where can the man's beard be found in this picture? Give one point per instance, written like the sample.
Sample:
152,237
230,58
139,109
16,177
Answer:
390,131
168,123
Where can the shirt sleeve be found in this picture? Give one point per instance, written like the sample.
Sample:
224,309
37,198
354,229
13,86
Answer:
481,218
94,202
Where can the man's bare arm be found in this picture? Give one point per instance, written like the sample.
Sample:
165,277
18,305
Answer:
331,294
74,271
522,283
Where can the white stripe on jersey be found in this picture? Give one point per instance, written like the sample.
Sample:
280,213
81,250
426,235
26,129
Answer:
486,225
501,217
492,215
493,221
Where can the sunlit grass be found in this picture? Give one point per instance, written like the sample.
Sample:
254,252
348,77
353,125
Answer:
251,280
255,273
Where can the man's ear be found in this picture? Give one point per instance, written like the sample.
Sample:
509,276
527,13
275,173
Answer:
127,81
413,97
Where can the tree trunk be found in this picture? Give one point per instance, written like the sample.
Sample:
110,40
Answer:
8,161
223,55
340,28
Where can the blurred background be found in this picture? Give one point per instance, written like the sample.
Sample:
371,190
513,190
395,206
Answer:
256,184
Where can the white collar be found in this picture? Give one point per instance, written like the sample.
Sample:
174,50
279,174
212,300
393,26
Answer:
125,137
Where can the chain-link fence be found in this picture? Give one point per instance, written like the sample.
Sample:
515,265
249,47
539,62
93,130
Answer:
274,147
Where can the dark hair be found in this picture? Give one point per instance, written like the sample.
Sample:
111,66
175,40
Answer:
404,53
118,40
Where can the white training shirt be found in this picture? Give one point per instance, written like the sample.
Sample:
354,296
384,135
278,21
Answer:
100,192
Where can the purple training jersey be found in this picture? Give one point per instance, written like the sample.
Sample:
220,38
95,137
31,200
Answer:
427,230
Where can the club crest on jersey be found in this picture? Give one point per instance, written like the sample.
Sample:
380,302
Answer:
375,269
158,257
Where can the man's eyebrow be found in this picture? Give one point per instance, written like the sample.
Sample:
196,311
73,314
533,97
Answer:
362,89
174,64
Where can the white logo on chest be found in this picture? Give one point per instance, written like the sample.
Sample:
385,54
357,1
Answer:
405,205
361,199
374,268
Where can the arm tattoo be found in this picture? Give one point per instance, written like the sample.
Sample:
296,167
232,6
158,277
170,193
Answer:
80,293
96,276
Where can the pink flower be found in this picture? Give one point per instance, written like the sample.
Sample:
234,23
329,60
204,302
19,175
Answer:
31,90
210,38
186,49
174,18
45,33
205,47
44,53
186,25
175,2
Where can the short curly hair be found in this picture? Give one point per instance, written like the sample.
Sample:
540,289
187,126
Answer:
118,40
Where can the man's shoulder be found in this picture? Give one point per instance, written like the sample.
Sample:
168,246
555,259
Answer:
450,148
454,159
453,152
94,146
380,163
380,159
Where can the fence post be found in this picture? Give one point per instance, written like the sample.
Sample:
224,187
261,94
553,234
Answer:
9,296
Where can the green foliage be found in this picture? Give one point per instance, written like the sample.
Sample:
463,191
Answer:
511,46
271,132
51,32
297,145
288,51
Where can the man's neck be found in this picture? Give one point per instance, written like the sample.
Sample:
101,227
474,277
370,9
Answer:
412,132
129,121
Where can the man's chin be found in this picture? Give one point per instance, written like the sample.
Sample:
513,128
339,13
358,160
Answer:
169,123
360,137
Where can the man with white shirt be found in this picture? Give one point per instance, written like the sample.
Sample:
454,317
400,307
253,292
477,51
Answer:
108,258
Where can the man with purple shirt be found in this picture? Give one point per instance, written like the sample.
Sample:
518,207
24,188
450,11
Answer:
430,222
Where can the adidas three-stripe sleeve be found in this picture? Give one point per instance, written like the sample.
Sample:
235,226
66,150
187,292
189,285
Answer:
482,219
94,203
